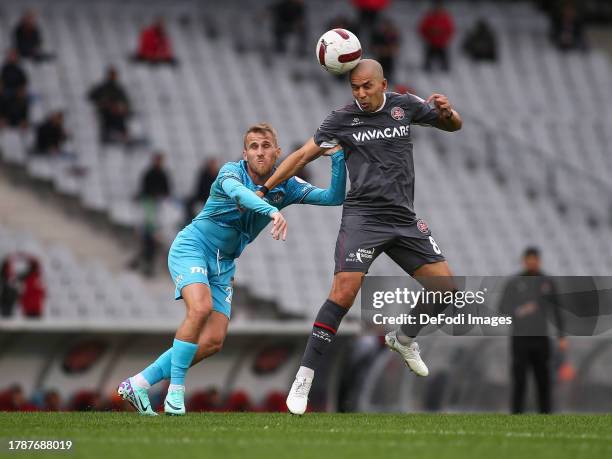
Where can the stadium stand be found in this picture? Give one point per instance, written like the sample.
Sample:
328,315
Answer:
82,294
529,167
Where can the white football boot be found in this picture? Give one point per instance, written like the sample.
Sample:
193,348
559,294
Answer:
297,400
409,352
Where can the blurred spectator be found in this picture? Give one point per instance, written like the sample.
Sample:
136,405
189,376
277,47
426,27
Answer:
206,400
28,38
530,299
385,45
342,22
480,42
206,176
116,403
52,401
437,29
154,187
14,102
51,135
568,28
369,10
155,183
13,76
154,45
14,109
364,351
87,400
33,291
13,399
275,402
289,18
113,106
239,401
9,288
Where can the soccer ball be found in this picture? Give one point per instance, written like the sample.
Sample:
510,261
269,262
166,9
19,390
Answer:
338,51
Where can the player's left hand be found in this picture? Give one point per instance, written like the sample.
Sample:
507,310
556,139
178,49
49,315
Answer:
279,226
442,104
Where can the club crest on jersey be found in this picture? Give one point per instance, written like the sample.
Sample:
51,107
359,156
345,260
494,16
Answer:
422,226
397,113
275,198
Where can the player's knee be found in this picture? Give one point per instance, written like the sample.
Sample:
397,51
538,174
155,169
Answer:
345,289
199,311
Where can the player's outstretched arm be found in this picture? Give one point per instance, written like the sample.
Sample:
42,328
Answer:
449,120
246,198
293,163
334,195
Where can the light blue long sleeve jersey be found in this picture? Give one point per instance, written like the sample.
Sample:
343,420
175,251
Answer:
234,215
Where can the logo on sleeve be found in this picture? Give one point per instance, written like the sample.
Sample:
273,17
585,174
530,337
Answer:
422,226
397,113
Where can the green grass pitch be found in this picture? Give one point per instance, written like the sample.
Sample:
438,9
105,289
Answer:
276,436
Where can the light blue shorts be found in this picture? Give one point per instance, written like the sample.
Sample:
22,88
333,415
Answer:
193,260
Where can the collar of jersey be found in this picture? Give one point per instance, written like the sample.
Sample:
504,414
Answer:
378,109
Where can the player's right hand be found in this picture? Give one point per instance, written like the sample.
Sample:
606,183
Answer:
279,226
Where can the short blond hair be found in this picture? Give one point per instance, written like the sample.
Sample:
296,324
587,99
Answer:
261,128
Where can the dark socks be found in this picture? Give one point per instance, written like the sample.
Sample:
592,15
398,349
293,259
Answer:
430,309
323,332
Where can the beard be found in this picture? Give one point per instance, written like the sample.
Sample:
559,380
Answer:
261,169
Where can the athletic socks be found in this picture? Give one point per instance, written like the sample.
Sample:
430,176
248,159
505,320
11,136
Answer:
305,372
403,338
182,356
154,373
323,331
140,381
431,309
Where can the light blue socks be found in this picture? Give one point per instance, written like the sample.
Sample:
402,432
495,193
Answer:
160,369
182,356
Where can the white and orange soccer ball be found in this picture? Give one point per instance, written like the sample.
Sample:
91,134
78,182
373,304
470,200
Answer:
338,51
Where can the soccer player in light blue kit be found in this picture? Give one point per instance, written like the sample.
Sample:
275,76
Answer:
201,259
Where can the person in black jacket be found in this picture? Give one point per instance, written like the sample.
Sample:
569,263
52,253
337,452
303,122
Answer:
289,18
28,39
113,106
530,298
480,42
206,176
155,183
51,135
154,188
